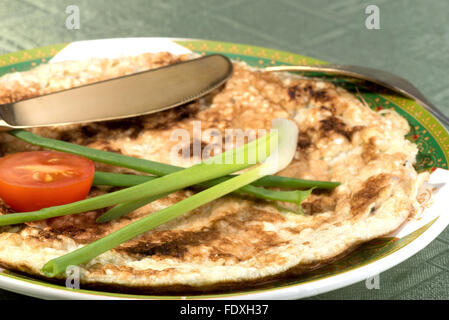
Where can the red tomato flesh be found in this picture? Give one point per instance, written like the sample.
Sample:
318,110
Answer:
34,180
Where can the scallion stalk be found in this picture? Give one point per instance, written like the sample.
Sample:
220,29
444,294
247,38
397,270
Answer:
129,180
122,209
296,197
288,133
119,179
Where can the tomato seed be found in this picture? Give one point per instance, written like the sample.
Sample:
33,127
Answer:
36,176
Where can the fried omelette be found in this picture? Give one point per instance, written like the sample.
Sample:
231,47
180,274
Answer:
233,242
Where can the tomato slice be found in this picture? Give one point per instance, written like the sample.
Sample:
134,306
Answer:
34,180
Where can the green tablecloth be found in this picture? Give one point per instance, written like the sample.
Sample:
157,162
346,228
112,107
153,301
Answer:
413,42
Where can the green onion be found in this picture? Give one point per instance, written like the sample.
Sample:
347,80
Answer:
277,161
287,182
124,208
119,179
148,166
115,159
178,180
296,196
128,180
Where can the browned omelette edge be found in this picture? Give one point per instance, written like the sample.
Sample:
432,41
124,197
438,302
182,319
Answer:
219,287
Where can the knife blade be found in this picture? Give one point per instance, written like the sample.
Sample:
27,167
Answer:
128,96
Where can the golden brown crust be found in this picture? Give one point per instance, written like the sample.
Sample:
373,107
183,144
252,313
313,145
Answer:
371,190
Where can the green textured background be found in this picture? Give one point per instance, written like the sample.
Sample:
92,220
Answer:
413,42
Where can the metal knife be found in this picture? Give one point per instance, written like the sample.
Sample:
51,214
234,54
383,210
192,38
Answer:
128,96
